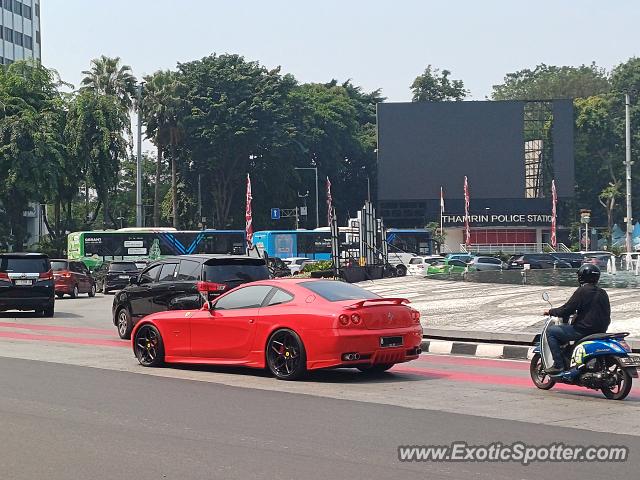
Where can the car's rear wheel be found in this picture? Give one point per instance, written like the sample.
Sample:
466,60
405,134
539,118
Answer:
92,291
59,295
49,311
401,270
375,369
286,356
124,323
74,292
148,346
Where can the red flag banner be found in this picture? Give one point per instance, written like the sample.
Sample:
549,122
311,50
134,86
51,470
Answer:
329,203
554,202
467,230
248,215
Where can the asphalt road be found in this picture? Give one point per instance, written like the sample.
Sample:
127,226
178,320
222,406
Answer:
74,404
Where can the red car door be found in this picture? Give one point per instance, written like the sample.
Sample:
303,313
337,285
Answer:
227,331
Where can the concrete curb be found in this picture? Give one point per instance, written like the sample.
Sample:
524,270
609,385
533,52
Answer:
487,350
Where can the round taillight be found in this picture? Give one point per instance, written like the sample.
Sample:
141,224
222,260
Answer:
355,319
343,319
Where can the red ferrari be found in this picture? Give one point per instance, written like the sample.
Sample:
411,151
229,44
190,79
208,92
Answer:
286,325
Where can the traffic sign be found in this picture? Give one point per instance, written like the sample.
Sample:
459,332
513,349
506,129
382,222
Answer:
275,214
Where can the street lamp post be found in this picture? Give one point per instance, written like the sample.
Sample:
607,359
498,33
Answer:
317,201
139,207
628,164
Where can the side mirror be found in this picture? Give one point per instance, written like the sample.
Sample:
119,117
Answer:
545,296
134,281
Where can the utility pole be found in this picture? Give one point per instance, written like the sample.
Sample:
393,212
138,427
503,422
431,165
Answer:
317,201
139,208
628,164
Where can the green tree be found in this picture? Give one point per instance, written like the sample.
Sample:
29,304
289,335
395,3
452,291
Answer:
547,82
30,147
435,86
238,122
95,127
107,76
164,110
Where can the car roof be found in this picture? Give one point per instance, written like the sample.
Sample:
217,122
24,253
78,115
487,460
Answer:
203,257
24,254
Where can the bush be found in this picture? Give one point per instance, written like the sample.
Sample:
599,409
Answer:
318,266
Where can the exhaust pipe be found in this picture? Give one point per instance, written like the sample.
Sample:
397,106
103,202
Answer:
349,357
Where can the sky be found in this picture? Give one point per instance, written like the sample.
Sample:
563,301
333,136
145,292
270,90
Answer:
376,44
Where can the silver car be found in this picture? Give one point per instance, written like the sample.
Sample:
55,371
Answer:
483,264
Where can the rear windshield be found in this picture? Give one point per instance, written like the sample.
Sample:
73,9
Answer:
24,264
235,270
123,267
57,265
335,291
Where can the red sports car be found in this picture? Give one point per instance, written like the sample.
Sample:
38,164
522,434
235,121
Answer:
287,325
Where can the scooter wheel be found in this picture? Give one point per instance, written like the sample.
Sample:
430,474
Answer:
621,389
539,377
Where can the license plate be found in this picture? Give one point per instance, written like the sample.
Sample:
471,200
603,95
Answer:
24,282
386,342
124,277
630,361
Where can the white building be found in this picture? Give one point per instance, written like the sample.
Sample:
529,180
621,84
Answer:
20,30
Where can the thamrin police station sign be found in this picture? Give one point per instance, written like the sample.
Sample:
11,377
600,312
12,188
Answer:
507,219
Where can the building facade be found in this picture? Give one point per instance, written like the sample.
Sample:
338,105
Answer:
20,31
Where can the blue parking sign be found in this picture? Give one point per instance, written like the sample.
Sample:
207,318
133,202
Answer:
275,214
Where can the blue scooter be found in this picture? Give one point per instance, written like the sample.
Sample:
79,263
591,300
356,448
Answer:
602,361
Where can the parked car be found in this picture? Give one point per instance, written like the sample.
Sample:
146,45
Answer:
72,278
26,283
482,264
463,257
296,264
418,265
182,283
598,259
278,268
575,259
114,275
447,266
536,261
288,326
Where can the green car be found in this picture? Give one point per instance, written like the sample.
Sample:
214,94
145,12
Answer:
447,266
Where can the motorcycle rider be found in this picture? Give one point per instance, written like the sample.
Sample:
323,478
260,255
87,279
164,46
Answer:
591,305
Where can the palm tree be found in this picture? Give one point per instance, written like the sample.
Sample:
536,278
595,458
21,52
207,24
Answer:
163,108
108,77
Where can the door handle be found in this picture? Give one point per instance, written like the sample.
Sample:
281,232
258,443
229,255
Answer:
251,320
172,287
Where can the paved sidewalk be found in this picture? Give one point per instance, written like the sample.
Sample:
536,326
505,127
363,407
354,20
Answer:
503,310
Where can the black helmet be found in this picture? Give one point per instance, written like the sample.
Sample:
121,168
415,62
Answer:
588,273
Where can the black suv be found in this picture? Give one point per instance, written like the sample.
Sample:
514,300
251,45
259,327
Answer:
181,283
26,283
115,275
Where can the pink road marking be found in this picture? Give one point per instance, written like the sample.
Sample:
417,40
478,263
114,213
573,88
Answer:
488,379
56,328
60,339
476,362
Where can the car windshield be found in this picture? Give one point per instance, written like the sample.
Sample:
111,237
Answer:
415,261
24,264
235,270
335,291
57,265
123,267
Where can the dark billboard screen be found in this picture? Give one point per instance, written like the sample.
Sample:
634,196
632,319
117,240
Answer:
428,145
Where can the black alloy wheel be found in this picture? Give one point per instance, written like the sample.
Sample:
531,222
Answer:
286,357
540,378
148,346
623,381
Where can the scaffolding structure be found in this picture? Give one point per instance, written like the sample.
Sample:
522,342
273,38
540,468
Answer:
538,147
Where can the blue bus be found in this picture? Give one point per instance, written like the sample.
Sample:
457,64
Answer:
316,244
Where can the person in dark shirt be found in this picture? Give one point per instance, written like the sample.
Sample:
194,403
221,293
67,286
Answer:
591,305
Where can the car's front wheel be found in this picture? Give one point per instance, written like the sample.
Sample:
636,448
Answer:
75,292
124,324
286,356
92,291
148,346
